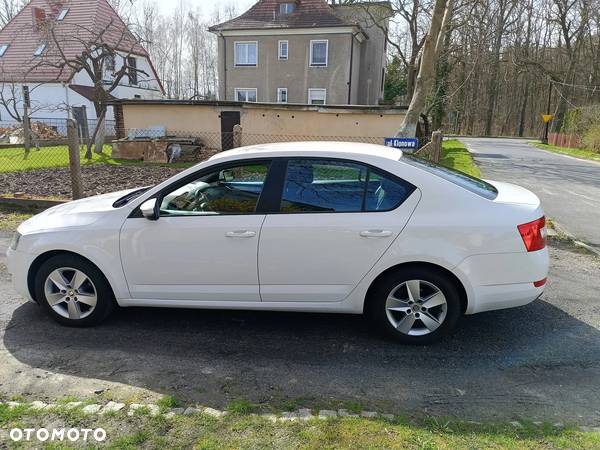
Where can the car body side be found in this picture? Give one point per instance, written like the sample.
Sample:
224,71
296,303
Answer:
473,238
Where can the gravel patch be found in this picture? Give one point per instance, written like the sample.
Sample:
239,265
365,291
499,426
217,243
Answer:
97,179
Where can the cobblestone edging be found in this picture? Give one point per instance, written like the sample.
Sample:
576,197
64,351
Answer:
153,410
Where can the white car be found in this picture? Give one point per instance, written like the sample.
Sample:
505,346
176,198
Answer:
309,226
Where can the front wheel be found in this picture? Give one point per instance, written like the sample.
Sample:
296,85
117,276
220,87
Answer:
416,305
73,291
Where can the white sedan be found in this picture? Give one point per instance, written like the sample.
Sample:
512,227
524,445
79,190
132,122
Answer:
310,226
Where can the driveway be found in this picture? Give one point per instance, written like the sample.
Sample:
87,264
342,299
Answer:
569,188
539,362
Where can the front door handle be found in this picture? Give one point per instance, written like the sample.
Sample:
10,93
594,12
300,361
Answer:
240,234
376,234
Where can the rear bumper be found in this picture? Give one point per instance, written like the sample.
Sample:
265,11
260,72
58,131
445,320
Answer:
18,264
500,281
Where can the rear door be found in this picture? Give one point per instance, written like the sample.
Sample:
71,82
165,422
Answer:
336,219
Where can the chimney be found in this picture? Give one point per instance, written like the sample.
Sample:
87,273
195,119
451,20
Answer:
39,18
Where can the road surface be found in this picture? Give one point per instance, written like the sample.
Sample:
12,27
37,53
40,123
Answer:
569,188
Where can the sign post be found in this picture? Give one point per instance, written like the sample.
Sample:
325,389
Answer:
547,118
409,145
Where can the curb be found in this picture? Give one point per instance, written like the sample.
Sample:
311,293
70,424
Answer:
559,228
303,414
29,204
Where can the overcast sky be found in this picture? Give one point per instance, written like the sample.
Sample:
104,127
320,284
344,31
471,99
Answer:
207,6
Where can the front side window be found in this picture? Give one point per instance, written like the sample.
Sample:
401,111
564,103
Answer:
317,96
246,54
283,49
313,186
234,190
319,51
246,95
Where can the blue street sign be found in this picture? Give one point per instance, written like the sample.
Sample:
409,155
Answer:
409,144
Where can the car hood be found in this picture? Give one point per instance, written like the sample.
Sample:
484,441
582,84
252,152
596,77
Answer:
79,213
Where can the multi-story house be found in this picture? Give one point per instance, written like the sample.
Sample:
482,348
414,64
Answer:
304,51
30,62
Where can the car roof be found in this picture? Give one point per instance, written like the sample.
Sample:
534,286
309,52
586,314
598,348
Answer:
312,148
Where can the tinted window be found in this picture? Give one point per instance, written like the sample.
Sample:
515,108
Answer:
335,186
463,180
235,190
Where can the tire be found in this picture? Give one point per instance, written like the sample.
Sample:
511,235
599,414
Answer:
70,300
429,324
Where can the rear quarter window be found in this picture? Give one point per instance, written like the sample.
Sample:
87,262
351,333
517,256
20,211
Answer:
472,184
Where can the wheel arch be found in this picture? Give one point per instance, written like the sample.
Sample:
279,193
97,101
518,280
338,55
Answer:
41,259
464,300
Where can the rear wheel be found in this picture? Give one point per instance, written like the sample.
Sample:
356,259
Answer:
416,305
73,291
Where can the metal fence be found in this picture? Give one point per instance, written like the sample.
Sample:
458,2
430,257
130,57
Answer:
45,129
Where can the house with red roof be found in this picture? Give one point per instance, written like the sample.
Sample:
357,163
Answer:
305,52
38,45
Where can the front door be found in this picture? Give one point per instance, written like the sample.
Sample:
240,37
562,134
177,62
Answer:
336,219
204,245
229,119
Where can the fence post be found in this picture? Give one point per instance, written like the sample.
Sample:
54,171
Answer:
74,159
237,136
436,141
26,129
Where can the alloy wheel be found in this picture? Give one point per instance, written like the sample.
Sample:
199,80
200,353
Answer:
70,293
416,308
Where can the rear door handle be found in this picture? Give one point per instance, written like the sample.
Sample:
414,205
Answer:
376,234
240,234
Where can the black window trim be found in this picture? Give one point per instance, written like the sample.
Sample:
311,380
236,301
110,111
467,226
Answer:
277,210
160,195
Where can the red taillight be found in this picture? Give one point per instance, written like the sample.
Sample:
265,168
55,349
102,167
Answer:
540,283
534,234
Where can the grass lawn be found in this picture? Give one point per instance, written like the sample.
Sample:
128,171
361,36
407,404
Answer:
15,159
457,157
244,430
580,153
9,221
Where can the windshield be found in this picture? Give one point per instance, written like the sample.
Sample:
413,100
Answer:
129,197
472,184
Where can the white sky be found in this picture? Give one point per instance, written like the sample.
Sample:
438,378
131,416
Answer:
207,6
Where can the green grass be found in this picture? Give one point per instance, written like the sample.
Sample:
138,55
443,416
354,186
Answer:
166,402
251,431
580,153
17,160
456,156
9,221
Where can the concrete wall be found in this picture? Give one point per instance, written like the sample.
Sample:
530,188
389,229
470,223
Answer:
265,123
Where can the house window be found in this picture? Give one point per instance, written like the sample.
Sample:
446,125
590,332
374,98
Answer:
40,49
246,95
132,70
109,64
3,48
317,96
282,95
284,47
246,54
287,8
63,14
319,52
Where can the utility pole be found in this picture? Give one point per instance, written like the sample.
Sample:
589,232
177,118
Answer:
548,117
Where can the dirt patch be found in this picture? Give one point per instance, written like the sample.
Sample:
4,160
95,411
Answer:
97,179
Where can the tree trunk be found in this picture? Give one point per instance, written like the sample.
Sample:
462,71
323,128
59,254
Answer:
426,75
100,135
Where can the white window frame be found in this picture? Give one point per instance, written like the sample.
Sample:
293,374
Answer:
3,48
287,50
311,90
235,53
255,90
319,41
279,92
285,5
62,15
40,50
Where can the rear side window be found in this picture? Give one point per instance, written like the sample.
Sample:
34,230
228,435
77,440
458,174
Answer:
315,185
474,185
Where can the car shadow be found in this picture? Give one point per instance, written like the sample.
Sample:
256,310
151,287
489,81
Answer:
537,357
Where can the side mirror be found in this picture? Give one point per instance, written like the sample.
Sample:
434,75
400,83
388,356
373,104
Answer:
148,209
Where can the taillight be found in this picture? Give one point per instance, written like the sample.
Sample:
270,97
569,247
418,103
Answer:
534,234
540,283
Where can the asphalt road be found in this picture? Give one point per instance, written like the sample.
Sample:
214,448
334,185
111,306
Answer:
569,188
539,362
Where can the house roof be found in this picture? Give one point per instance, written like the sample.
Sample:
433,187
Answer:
93,21
265,14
